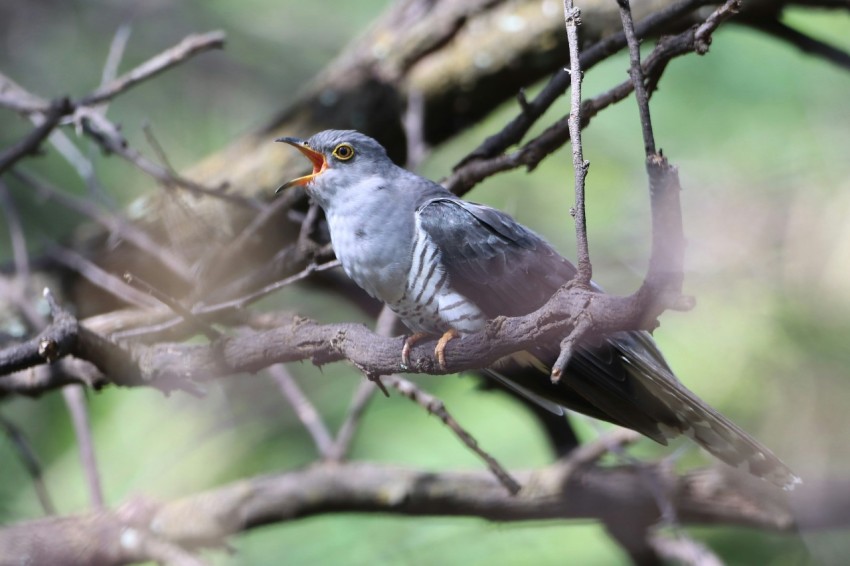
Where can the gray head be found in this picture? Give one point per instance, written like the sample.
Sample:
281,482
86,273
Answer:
343,161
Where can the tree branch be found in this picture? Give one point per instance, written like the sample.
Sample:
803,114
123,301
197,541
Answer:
190,45
569,489
30,144
801,41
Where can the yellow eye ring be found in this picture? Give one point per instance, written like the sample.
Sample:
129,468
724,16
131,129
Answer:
343,152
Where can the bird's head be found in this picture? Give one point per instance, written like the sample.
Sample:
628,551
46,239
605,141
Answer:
341,159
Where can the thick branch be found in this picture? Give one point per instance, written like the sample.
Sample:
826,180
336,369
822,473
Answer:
566,490
178,365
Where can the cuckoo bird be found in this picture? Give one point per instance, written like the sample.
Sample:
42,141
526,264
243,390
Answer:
446,266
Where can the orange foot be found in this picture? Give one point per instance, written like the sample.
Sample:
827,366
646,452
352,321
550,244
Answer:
440,350
408,344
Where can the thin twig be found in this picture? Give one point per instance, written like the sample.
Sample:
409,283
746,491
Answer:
32,141
304,409
649,477
242,302
31,462
106,134
118,226
109,137
16,233
413,123
35,108
174,305
568,345
218,259
157,148
237,303
514,131
702,36
305,241
116,53
572,18
436,407
14,290
189,46
636,74
75,400
103,279
362,395
475,168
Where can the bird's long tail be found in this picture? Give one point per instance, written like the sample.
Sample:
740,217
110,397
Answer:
699,421
627,382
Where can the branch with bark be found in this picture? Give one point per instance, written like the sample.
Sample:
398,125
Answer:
573,488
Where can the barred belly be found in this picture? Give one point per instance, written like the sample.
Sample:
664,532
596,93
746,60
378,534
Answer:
428,303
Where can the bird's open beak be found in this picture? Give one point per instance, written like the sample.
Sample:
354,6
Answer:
315,157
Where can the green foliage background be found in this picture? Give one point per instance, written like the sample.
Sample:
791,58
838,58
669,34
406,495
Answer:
761,134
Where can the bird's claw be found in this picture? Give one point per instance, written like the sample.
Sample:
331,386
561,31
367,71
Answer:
440,350
408,345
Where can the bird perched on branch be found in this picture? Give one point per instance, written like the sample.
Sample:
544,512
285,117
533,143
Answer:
446,266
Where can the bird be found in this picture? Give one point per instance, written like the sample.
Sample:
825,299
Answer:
446,266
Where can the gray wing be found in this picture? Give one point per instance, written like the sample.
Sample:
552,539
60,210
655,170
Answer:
509,270
490,258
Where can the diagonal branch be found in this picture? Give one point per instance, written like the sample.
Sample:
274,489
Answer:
805,43
190,45
436,407
30,461
304,409
30,144
75,400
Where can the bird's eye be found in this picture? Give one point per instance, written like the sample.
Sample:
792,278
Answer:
344,152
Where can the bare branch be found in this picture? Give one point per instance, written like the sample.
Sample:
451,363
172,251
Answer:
208,518
32,141
413,122
572,17
16,233
805,43
296,338
76,402
569,344
189,46
31,462
97,276
304,409
636,74
116,53
118,226
471,171
172,303
514,131
242,302
363,395
109,137
436,407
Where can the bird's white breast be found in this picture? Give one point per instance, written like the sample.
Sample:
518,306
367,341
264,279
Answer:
371,242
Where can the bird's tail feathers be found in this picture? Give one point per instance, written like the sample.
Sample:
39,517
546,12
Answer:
700,422
728,442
